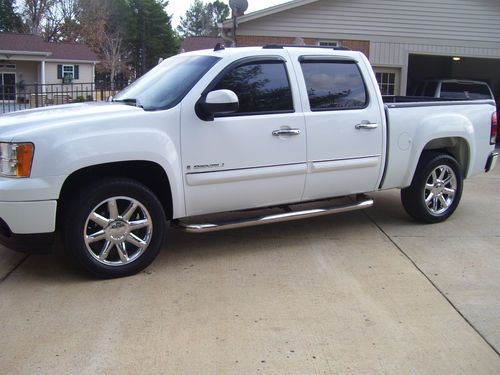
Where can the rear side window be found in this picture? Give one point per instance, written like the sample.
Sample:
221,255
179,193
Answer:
262,87
333,85
456,90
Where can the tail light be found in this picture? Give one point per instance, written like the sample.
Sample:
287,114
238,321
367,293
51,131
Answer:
494,128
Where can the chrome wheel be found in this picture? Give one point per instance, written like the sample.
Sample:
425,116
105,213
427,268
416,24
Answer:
435,190
118,231
440,190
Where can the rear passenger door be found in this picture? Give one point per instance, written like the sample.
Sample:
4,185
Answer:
344,127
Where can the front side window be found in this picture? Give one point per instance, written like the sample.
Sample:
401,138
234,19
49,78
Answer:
334,85
261,87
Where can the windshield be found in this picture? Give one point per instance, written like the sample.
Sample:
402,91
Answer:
166,85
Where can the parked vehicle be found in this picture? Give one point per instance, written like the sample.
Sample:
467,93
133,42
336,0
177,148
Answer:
229,130
453,89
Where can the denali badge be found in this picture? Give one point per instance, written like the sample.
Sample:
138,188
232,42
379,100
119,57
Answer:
205,166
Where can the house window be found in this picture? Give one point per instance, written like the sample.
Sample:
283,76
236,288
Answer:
68,72
8,66
388,80
7,86
328,43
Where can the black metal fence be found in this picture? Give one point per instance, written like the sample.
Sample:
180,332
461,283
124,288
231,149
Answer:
18,97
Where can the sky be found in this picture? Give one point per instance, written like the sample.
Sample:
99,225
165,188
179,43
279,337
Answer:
177,8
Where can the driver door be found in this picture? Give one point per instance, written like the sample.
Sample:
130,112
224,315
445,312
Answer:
249,158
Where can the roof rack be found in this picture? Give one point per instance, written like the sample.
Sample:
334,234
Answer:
281,46
219,47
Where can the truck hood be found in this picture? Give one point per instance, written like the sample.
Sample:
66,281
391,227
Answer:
24,122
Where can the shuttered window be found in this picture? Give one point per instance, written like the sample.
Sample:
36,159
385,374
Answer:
68,72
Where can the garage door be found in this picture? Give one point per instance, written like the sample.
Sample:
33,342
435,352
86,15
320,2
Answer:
424,67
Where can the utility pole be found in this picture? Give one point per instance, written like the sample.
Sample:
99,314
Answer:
142,50
143,43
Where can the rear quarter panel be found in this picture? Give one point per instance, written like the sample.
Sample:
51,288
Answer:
411,128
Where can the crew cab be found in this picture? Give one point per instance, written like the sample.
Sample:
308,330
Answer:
222,130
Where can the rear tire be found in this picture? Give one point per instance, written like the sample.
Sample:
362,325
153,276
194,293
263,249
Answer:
435,190
113,228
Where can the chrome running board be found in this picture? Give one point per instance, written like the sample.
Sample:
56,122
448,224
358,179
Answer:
362,202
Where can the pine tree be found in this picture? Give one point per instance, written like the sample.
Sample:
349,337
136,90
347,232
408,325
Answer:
202,19
150,34
10,20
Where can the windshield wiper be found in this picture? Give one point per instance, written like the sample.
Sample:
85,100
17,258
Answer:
129,101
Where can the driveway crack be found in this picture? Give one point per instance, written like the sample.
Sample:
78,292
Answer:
432,283
14,268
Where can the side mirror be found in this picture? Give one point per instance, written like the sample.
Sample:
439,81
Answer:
219,102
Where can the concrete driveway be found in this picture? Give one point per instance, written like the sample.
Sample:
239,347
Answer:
359,293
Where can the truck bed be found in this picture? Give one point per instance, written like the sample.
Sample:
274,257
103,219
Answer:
423,101
412,120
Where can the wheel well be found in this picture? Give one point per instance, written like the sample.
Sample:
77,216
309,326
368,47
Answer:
148,173
454,146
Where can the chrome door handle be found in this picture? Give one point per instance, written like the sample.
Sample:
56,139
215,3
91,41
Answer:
366,125
280,132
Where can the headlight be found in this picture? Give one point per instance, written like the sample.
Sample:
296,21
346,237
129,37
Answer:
16,159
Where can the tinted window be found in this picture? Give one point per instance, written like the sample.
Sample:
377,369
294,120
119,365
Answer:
455,90
334,85
262,87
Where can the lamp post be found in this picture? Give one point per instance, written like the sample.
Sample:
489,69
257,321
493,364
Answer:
238,8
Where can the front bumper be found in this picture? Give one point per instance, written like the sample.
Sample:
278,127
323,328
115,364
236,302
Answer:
28,226
492,162
26,243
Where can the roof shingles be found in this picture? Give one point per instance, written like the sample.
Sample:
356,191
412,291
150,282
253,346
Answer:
196,43
33,43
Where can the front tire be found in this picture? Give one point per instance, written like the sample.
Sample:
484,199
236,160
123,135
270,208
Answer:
114,228
435,190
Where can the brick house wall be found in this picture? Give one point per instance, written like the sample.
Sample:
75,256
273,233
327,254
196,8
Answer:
250,40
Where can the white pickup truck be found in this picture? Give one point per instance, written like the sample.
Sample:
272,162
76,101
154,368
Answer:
229,130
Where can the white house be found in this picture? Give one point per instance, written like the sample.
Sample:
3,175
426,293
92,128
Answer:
405,40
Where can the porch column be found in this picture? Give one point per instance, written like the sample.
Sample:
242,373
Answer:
42,70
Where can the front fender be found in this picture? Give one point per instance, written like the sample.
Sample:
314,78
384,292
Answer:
141,136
